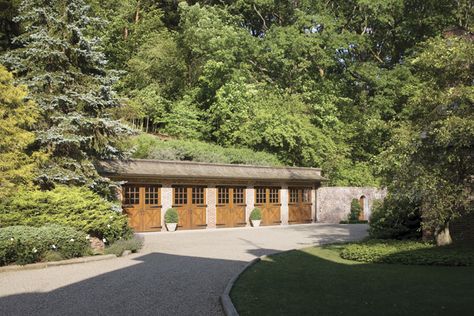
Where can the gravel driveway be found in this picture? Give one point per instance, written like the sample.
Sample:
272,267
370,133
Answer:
180,273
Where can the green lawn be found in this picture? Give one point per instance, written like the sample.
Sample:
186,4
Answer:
316,281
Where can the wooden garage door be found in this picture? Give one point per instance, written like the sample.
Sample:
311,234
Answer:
142,204
299,206
230,208
268,200
190,201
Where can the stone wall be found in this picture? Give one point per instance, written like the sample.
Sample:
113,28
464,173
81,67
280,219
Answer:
334,203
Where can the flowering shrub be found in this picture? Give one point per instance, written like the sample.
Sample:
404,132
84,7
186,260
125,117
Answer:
24,244
76,207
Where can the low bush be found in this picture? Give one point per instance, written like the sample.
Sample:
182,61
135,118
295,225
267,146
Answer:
117,248
408,252
76,207
171,216
395,218
25,244
256,214
152,147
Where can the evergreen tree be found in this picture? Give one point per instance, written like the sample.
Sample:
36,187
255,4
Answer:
18,116
65,72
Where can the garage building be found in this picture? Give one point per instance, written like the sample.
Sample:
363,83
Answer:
213,195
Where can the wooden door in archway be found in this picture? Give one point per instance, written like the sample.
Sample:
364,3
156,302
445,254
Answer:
142,204
268,200
362,203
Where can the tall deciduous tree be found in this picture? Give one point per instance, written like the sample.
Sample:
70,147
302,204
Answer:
65,72
431,162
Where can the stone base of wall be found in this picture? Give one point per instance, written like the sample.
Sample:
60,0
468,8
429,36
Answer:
334,203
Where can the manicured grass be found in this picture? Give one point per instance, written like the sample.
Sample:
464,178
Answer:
317,281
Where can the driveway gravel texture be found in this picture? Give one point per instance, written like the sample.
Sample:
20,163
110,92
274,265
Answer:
180,273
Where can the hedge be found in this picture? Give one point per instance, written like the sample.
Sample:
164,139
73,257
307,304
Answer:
24,244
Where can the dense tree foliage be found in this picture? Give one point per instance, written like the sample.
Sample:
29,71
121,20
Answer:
317,83
374,92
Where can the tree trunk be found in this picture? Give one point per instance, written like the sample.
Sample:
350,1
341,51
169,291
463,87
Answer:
443,236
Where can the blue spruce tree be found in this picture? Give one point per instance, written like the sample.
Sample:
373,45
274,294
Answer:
66,74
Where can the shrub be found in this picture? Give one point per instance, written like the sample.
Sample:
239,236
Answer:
149,146
52,256
355,210
256,214
117,248
76,207
407,252
171,216
25,244
395,218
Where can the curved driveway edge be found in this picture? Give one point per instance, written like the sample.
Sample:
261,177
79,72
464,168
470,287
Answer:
226,301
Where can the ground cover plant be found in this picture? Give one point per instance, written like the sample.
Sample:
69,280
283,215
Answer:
24,244
408,252
317,281
152,147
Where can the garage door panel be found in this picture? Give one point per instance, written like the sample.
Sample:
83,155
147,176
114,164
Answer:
190,203
300,205
152,219
141,203
134,220
198,217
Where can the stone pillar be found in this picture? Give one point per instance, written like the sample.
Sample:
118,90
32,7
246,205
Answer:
284,204
119,196
250,202
314,206
166,202
211,193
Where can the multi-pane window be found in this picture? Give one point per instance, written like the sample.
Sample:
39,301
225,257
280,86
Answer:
274,196
131,195
152,195
198,195
306,195
239,196
261,196
222,195
180,195
293,195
